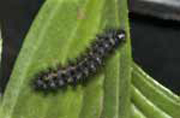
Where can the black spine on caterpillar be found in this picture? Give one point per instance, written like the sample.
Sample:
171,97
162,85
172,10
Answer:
86,65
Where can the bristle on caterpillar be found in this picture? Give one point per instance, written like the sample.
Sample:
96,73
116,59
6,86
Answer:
84,67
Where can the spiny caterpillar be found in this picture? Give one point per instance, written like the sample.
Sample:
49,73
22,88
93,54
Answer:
85,66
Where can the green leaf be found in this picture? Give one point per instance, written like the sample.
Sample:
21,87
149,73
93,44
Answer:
156,93
149,109
111,89
125,65
136,113
54,37
118,70
62,31
93,99
138,74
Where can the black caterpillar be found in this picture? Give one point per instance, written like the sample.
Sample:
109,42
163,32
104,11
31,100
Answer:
85,65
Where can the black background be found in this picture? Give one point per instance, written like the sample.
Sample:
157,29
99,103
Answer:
155,42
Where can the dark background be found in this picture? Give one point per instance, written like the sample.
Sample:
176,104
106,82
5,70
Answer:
155,41
156,47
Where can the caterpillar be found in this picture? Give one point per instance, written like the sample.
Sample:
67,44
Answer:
85,66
